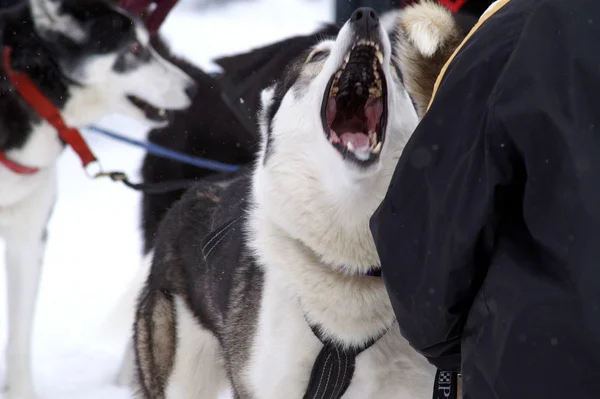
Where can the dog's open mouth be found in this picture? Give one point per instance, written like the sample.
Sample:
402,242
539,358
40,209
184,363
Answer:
354,110
150,111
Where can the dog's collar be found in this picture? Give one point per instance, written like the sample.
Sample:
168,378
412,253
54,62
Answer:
16,167
30,93
374,272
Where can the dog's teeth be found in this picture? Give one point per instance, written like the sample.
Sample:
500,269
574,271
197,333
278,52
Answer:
333,137
347,58
377,149
379,56
162,112
372,138
350,146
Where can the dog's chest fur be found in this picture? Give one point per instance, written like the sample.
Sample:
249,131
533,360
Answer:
298,287
22,196
41,150
285,348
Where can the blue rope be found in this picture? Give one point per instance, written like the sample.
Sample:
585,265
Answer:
167,153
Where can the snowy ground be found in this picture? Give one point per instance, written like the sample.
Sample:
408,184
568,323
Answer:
94,241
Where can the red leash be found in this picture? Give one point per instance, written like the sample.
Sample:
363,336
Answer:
48,112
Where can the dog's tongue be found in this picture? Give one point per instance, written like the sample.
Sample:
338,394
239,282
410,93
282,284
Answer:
358,140
373,112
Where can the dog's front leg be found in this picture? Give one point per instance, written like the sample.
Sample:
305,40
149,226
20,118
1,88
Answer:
23,260
25,244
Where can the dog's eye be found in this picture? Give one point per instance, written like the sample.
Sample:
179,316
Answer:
317,55
136,49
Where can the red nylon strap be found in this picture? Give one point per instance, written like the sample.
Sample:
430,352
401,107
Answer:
48,111
17,168
453,5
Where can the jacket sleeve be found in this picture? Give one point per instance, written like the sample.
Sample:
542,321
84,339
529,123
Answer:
434,228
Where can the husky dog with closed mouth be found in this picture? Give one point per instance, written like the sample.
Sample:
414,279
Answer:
89,59
268,283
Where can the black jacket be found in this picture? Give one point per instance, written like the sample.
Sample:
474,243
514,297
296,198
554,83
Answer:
489,235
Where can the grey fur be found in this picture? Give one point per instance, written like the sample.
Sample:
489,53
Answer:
223,297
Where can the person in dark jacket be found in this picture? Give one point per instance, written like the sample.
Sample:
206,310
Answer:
489,235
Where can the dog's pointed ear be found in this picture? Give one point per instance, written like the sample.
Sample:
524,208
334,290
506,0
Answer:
49,21
427,35
265,115
266,102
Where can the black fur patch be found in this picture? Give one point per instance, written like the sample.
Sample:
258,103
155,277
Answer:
108,29
393,36
290,76
30,54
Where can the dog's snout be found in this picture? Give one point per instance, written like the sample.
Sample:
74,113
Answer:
365,22
191,90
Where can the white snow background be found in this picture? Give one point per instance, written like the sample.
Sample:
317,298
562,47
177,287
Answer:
94,241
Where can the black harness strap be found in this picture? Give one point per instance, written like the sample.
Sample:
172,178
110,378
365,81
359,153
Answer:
333,369
445,385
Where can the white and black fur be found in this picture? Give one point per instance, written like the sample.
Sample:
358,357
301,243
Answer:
241,267
90,59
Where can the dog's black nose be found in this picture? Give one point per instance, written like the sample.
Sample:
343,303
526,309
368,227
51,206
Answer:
191,90
365,22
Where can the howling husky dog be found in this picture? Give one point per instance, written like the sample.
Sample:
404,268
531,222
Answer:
256,279
89,59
